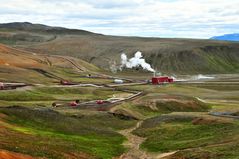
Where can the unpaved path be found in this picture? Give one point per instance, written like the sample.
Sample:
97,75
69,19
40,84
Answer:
133,143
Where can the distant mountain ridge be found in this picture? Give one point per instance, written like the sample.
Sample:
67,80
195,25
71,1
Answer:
167,55
227,37
26,26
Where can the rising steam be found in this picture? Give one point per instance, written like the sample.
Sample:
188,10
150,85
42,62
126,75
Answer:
135,61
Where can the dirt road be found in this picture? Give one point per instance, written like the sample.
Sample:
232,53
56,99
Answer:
133,142
133,145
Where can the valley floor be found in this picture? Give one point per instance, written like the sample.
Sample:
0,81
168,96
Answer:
171,121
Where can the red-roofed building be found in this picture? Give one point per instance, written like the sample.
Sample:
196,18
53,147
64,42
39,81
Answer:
161,80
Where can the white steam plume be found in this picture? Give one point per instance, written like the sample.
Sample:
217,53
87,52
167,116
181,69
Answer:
135,61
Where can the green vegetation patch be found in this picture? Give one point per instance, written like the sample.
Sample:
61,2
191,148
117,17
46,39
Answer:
13,95
135,110
223,151
172,132
56,93
172,103
188,106
73,134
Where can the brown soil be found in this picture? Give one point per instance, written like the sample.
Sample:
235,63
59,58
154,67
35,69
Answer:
19,58
77,156
11,57
13,155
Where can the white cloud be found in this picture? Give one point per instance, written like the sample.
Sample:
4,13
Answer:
162,18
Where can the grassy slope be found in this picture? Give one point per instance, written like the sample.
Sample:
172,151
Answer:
153,104
64,134
178,133
55,135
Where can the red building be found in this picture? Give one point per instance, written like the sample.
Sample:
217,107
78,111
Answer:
161,80
170,80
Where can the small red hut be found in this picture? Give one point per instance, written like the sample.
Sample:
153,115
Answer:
161,80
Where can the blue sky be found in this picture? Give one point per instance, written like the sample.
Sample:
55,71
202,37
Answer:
148,18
